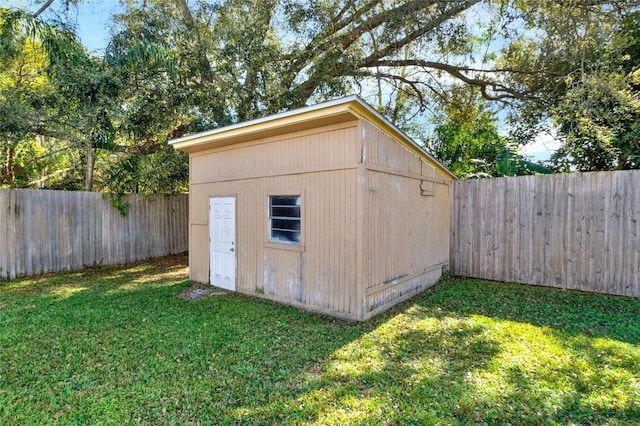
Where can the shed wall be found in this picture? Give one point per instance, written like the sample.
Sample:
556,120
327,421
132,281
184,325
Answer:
321,166
326,148
375,218
405,241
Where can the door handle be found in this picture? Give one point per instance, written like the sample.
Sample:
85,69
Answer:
231,249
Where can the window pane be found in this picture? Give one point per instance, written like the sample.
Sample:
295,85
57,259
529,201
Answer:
284,215
288,211
285,224
285,236
286,200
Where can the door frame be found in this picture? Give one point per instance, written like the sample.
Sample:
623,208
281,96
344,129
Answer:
235,237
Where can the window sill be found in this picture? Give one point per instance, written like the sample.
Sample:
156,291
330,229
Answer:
284,246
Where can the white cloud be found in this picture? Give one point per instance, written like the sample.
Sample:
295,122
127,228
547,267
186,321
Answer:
545,144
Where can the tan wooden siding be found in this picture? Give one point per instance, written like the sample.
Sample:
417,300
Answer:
48,231
199,252
405,222
375,218
381,150
576,231
303,152
321,167
321,274
406,236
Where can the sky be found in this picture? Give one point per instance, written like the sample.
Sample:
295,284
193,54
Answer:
542,147
92,21
91,18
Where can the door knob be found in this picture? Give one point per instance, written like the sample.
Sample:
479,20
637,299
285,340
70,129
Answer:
231,249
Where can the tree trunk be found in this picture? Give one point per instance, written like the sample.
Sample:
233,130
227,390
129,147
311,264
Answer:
89,172
9,173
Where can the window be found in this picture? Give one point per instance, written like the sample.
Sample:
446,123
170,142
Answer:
284,216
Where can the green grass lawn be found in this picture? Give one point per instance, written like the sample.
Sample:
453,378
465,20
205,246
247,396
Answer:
115,345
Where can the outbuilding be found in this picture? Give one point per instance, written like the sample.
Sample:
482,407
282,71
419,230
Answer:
330,208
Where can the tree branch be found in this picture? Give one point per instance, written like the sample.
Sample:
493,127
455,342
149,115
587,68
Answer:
458,72
323,38
335,41
186,12
414,84
422,30
42,8
341,42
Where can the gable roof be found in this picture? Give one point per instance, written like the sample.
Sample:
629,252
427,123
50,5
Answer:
331,112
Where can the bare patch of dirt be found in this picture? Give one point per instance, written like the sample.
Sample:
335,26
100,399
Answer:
200,291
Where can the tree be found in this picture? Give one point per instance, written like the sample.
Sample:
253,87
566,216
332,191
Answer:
268,56
68,108
467,141
599,115
465,136
29,101
589,90
176,67
260,57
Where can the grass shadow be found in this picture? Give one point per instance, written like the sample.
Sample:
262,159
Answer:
566,311
126,349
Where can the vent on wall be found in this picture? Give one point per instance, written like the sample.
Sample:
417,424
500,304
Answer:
427,188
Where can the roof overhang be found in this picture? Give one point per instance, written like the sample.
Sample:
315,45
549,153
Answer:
332,112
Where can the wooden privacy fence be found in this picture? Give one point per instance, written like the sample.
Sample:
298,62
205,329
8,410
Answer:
574,231
47,231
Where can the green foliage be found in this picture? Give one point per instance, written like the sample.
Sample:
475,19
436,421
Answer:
51,89
115,345
175,67
599,114
72,118
600,118
467,151
466,139
590,87
117,201
163,172
25,92
510,163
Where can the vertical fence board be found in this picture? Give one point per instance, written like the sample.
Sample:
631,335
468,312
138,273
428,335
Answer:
20,253
510,236
577,231
634,266
11,234
581,198
4,234
47,231
54,224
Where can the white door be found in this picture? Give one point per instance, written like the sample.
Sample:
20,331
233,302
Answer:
222,242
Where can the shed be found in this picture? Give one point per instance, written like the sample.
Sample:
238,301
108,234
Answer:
330,208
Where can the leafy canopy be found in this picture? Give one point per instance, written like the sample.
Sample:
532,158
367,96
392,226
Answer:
176,67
